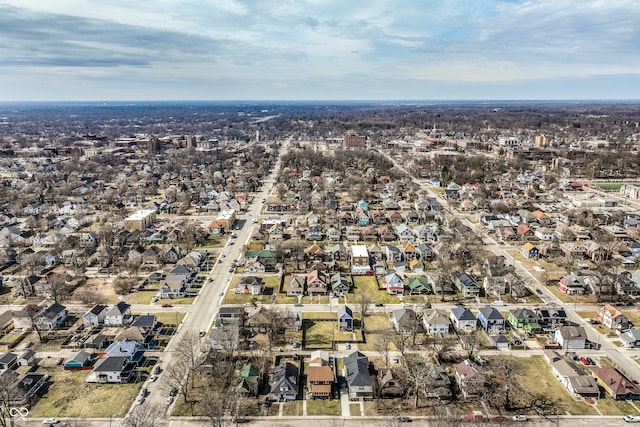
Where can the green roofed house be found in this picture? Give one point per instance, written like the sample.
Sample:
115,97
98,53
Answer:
419,285
249,380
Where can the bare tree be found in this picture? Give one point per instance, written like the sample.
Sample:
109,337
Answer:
8,391
123,284
58,286
33,312
401,341
176,377
471,344
188,353
149,415
382,344
441,346
362,299
276,320
416,371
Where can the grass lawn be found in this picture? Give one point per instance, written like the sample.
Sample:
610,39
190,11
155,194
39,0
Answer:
169,318
375,325
141,297
272,287
10,338
354,409
324,407
608,406
535,376
379,297
318,334
70,396
292,408
185,300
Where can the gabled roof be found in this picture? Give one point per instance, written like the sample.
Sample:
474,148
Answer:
357,366
111,364
462,313
490,313
615,381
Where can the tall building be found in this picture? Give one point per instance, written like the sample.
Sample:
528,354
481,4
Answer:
191,141
352,140
541,141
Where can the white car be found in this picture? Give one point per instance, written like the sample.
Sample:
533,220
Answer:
631,419
519,418
51,421
169,400
152,378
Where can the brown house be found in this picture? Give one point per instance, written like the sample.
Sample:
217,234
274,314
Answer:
320,381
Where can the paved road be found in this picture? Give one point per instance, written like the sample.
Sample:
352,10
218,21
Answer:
201,313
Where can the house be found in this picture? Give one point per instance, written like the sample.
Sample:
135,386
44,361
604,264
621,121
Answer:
572,284
340,284
356,372
390,385
465,284
8,360
524,318
78,360
176,281
320,381
51,317
436,321
295,286
95,316
393,283
499,341
463,319
317,283
471,382
360,259
491,319
612,318
319,358
419,285
248,382
631,337
27,387
118,315
345,318
285,382
250,285
225,335
111,369
27,358
437,383
405,320
551,317
572,377
530,251
571,337
617,385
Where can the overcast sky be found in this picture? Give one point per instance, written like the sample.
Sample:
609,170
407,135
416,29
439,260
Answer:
319,49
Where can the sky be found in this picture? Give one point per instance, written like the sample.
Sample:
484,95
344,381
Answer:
80,50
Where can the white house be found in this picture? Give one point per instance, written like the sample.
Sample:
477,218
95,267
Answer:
463,319
571,337
436,321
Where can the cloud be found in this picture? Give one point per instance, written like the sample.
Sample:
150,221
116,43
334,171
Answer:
307,44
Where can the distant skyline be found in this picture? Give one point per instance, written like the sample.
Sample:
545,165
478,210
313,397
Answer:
99,50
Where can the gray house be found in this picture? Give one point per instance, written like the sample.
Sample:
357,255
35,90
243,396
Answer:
345,318
285,382
356,371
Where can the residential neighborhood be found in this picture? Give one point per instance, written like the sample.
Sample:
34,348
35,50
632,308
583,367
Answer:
299,277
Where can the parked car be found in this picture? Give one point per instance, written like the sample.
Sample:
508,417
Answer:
379,305
144,392
154,299
591,361
631,419
347,346
519,418
267,402
140,400
152,378
584,361
404,420
169,400
157,370
167,305
499,419
51,421
173,392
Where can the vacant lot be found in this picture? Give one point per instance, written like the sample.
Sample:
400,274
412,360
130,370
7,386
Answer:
535,377
141,297
70,396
